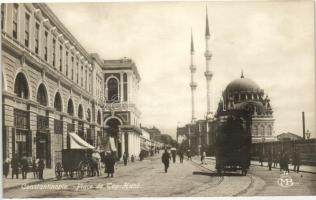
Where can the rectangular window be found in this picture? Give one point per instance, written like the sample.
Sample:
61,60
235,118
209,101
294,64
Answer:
81,76
15,21
77,71
60,58
37,27
67,63
2,15
72,68
89,82
27,30
86,80
45,47
54,52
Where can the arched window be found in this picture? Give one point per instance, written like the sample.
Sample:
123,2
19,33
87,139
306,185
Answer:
113,89
42,95
21,88
57,102
125,86
80,112
99,117
88,115
70,109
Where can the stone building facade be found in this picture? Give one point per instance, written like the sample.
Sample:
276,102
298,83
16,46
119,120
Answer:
51,86
122,116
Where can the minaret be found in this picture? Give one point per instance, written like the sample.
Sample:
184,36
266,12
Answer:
208,74
193,84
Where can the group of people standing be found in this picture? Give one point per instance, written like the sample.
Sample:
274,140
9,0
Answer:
283,159
22,164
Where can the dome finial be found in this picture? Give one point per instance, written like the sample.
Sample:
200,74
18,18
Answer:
242,74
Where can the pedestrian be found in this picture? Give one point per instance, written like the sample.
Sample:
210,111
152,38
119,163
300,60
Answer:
270,161
15,166
281,160
294,161
286,160
141,156
261,159
165,160
174,156
109,164
203,157
41,166
24,167
189,155
297,157
181,156
34,168
125,158
6,167
275,159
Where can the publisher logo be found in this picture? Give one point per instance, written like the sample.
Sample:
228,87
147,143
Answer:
285,180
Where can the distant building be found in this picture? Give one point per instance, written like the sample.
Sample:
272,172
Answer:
288,137
154,133
122,116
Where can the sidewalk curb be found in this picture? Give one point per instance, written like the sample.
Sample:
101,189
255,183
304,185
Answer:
290,169
303,171
41,181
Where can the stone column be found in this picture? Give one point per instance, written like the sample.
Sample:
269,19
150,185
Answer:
33,127
123,142
53,138
121,87
8,123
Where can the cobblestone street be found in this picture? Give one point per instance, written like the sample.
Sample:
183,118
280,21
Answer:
144,179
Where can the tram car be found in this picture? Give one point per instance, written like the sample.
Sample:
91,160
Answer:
233,143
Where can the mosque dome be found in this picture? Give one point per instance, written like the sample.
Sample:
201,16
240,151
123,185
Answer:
242,85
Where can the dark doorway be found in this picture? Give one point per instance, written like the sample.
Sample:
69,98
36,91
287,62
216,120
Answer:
113,131
43,148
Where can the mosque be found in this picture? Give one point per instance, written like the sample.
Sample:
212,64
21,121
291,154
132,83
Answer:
199,135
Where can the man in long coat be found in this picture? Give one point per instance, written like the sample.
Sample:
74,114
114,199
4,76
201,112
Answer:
165,160
15,166
109,162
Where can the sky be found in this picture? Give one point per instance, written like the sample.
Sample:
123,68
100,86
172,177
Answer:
273,42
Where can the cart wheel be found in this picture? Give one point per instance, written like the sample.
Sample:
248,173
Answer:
58,171
80,171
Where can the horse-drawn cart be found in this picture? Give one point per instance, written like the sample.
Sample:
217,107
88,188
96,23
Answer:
75,161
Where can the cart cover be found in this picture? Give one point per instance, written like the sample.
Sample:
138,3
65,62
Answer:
76,142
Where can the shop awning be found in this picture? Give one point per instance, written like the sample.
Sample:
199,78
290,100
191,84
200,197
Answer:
144,148
112,144
76,142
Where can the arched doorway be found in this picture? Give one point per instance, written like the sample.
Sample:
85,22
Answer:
113,131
